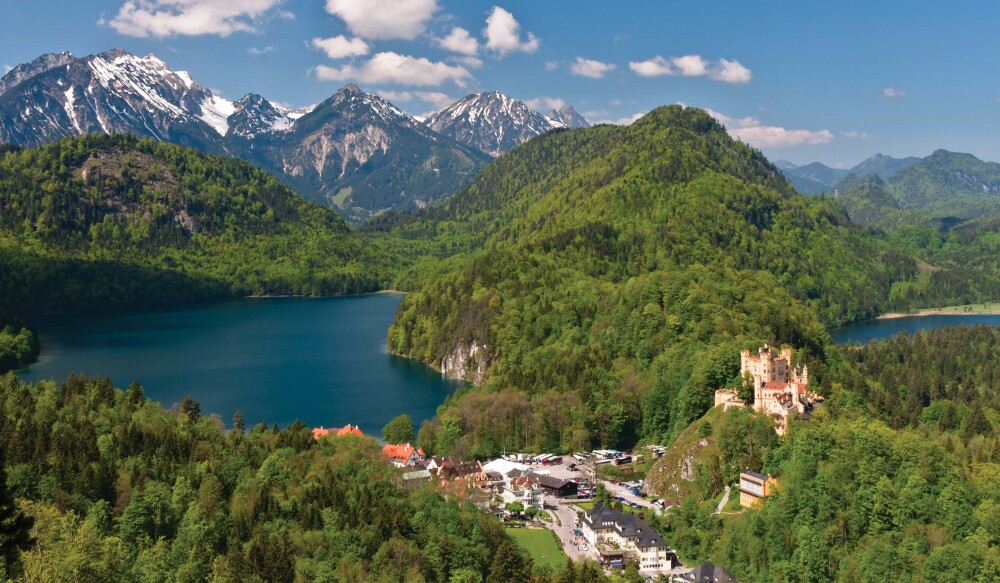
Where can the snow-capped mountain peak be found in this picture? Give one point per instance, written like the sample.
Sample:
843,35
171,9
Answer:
568,117
491,122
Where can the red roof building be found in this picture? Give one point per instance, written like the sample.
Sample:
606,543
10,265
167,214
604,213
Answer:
403,454
345,430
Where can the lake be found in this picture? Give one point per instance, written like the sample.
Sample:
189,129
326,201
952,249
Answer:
862,332
320,360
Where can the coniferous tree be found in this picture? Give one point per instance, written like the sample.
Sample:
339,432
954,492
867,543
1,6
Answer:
509,565
15,526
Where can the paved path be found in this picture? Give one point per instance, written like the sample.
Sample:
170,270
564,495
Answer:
567,515
723,502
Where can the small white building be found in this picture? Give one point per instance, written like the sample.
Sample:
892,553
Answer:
525,490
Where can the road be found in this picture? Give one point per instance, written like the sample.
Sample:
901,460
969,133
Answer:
567,516
722,503
625,493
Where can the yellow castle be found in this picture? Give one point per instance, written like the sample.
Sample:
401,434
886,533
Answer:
780,389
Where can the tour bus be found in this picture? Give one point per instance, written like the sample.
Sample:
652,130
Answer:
579,458
541,459
552,460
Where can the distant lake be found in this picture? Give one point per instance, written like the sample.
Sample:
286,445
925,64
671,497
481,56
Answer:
320,360
862,332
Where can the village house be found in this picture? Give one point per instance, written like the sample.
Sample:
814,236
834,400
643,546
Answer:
754,488
779,389
526,490
403,455
619,536
348,429
452,471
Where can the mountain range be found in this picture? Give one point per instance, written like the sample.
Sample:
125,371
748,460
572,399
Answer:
817,178
354,151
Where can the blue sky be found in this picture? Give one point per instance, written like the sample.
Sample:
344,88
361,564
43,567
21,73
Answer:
831,81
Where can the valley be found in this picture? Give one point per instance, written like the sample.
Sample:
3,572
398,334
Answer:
187,292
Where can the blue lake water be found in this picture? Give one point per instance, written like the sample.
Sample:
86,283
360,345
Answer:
862,332
320,360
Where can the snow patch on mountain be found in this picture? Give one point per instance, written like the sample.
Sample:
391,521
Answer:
215,111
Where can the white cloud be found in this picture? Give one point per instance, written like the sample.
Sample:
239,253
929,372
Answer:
459,41
551,65
435,98
7,69
893,93
544,104
691,65
389,67
384,19
595,114
340,47
589,68
655,67
165,18
615,103
725,70
856,135
471,62
752,131
260,51
625,121
503,34
730,72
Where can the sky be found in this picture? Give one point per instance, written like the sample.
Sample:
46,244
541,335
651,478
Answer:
834,82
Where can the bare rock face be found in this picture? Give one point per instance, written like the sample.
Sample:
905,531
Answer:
470,363
490,122
568,117
354,151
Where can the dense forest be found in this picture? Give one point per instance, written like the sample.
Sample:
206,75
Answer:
115,488
896,478
129,222
601,283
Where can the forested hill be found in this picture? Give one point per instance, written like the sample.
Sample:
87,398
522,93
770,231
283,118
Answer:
610,276
119,221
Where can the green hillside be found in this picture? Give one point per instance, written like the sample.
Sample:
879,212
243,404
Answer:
137,222
895,478
605,279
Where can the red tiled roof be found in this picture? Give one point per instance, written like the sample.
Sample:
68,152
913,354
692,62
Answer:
320,432
401,451
345,430
350,430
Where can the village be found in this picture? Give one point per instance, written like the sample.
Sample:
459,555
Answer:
593,518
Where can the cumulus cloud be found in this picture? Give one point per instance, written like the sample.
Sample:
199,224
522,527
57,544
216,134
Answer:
725,70
435,98
893,93
551,65
503,34
655,67
856,135
545,104
589,68
340,47
7,69
459,41
260,51
625,121
752,131
384,19
730,72
691,65
165,18
389,67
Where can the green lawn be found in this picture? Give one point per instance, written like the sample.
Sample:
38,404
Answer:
541,545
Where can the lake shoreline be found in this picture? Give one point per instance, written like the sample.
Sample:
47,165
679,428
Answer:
937,312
